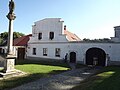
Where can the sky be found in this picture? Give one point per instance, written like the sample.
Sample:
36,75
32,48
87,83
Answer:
91,19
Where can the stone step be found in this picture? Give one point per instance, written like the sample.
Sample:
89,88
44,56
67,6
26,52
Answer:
14,73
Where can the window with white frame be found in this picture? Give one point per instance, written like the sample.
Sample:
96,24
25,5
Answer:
45,50
34,51
57,52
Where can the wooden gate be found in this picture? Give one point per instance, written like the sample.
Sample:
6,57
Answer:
21,53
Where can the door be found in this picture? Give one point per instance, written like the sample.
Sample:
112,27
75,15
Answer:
21,53
72,57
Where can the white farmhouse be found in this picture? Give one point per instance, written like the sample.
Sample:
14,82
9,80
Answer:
51,40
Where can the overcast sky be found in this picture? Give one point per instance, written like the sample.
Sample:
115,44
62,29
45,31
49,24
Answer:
86,18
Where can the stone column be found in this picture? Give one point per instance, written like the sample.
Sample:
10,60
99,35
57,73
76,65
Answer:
10,59
10,34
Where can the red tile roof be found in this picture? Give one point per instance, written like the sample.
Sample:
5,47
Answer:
71,36
22,41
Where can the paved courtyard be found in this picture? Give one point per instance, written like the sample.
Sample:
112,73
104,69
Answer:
63,81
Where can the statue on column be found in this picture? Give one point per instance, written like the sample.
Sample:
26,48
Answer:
11,6
11,15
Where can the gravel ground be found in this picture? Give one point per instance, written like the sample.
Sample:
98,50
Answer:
63,81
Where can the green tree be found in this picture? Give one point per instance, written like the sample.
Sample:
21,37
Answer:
17,35
1,41
4,36
86,39
97,40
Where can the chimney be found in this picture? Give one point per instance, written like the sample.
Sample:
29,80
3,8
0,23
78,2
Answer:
64,27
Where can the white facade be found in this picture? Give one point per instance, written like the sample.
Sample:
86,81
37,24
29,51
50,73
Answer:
57,47
46,26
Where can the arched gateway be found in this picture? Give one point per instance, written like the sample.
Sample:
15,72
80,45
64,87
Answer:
95,56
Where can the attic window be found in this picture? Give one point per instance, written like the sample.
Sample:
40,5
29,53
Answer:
40,36
51,35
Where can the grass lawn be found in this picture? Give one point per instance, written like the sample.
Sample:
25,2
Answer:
1,68
107,79
35,70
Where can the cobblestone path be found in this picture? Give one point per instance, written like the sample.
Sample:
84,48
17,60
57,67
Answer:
63,81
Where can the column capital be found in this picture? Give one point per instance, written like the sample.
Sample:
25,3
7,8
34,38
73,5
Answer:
11,16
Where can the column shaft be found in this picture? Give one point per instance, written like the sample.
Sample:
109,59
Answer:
10,38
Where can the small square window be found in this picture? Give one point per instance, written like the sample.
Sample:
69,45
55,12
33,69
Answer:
34,51
57,52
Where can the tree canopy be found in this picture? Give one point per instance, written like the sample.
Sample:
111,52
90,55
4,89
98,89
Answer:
97,40
4,36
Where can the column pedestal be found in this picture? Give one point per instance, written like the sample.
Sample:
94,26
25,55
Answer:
9,70
9,64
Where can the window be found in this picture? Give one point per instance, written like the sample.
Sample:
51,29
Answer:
57,52
40,36
44,51
34,51
51,35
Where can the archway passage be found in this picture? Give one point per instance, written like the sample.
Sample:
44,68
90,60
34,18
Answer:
95,56
72,57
